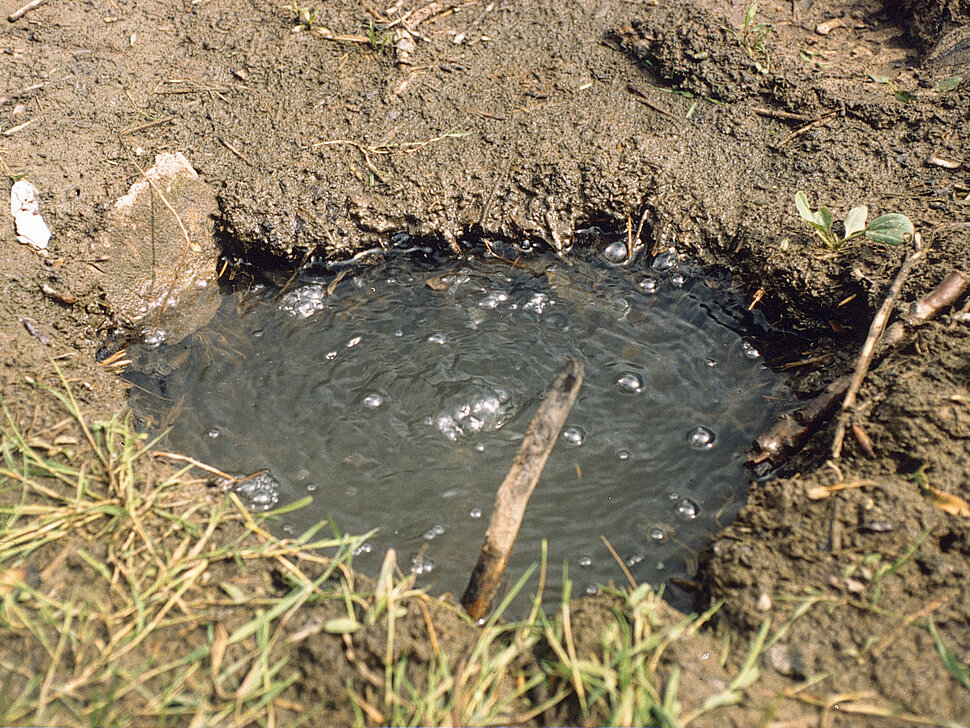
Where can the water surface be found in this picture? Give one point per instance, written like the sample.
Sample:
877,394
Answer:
396,396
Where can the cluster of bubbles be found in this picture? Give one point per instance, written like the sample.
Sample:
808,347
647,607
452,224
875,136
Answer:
466,415
259,492
421,564
304,301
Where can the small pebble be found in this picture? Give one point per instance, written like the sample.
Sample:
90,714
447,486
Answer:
764,602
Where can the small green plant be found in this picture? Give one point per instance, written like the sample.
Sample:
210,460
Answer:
893,228
753,37
304,16
900,94
378,37
947,84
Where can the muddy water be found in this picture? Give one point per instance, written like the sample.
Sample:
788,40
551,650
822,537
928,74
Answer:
397,396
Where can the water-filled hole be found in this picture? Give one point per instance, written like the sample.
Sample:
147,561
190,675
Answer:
397,395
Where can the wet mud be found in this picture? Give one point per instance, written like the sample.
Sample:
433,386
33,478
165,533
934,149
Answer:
510,123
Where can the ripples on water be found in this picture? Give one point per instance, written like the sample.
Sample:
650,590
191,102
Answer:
398,402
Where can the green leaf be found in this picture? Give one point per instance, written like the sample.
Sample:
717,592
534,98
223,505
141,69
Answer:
956,668
824,218
341,625
749,15
855,221
804,211
893,228
880,79
947,84
288,508
906,96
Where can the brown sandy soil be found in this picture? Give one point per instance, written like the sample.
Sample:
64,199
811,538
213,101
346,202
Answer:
520,121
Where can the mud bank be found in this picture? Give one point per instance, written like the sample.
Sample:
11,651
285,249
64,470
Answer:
507,124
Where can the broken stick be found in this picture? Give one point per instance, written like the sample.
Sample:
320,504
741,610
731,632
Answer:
513,495
876,329
790,431
18,14
943,296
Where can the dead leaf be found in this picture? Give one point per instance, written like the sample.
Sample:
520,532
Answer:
820,492
438,283
862,439
219,643
952,504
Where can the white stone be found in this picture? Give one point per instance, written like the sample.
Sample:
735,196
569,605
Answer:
31,228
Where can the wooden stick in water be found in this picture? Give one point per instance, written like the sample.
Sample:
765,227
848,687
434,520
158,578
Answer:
513,495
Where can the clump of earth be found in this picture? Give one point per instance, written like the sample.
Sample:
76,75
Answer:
678,126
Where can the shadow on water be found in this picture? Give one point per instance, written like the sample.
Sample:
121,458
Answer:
396,396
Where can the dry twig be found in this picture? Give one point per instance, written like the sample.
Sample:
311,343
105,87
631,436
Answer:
641,95
783,115
876,330
801,130
18,14
790,431
616,557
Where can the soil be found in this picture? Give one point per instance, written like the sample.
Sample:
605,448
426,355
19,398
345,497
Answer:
521,122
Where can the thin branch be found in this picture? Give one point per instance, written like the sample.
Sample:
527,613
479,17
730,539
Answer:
18,14
791,430
876,330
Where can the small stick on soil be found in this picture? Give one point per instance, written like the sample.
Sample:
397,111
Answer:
235,151
927,609
491,195
876,330
791,430
413,19
801,130
643,98
513,495
34,330
146,125
65,299
33,87
943,296
785,115
327,35
18,14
